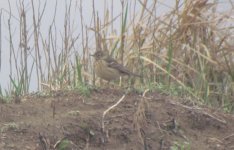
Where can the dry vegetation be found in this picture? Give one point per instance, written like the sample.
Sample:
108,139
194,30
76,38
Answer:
187,51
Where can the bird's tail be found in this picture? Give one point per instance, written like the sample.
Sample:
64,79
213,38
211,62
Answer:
137,75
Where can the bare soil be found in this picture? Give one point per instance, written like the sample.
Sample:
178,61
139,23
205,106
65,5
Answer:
68,120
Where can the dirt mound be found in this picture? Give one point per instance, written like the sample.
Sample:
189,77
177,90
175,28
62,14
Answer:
68,120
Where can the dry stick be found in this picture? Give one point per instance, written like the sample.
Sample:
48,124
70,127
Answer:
146,91
24,44
106,111
84,46
228,137
36,45
96,36
199,110
11,47
140,118
0,38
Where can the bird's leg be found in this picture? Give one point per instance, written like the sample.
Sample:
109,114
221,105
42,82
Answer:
110,85
120,81
131,83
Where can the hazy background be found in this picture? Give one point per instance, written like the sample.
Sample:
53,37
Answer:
12,6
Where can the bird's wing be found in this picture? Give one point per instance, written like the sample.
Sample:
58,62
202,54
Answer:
114,64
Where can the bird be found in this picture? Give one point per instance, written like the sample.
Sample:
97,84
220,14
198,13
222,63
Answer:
108,68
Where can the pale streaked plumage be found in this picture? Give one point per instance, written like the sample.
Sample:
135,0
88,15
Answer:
108,68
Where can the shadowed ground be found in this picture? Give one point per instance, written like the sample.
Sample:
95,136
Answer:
68,120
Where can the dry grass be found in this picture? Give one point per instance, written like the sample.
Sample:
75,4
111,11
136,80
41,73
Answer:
188,49
139,121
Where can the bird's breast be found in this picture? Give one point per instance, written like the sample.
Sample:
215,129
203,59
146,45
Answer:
105,72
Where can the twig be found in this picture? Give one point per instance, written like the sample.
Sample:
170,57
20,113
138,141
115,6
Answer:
147,90
106,111
199,110
45,144
227,137
215,118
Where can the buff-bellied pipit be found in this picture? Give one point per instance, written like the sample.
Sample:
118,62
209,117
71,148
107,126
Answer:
108,68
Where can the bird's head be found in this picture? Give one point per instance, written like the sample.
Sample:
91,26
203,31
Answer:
98,55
